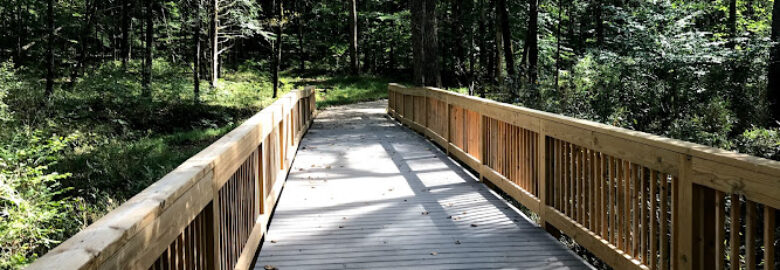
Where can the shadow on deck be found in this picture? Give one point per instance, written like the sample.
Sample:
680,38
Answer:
367,193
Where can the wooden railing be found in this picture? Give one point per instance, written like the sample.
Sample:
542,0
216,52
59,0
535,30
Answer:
210,212
634,200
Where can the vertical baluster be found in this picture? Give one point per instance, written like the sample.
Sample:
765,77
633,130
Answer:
619,204
612,201
643,214
662,219
736,212
653,220
720,230
635,213
566,184
769,238
750,234
603,196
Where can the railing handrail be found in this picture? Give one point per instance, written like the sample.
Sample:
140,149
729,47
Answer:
564,169
127,236
730,158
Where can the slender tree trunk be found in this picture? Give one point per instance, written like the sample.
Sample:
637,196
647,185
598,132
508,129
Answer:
497,69
432,67
483,51
732,23
533,44
773,87
599,24
277,58
214,43
126,9
147,76
506,32
18,61
50,49
353,39
90,9
196,53
301,53
558,49
418,42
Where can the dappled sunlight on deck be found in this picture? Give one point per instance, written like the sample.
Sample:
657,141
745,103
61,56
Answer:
364,192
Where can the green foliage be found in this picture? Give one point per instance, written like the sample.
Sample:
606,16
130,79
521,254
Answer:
346,90
760,142
34,216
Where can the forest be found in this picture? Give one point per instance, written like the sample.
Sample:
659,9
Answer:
100,98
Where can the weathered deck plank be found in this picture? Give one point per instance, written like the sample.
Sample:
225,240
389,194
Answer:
365,193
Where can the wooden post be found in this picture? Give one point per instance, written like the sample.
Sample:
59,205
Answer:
447,123
482,143
215,226
684,222
542,178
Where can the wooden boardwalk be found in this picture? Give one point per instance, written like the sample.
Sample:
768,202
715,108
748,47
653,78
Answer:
366,193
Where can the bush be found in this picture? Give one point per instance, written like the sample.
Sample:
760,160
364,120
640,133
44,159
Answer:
33,214
760,142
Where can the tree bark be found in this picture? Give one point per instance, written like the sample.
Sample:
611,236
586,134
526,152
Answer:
196,53
214,43
418,43
732,23
483,51
506,32
277,58
773,86
558,44
599,24
147,76
301,53
432,67
50,49
126,6
353,42
533,43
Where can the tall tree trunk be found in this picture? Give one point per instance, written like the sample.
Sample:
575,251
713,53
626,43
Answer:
214,43
558,49
533,44
126,9
301,53
196,53
50,49
497,70
732,23
90,9
18,61
599,23
506,32
147,76
432,68
353,38
773,87
277,58
418,42
483,51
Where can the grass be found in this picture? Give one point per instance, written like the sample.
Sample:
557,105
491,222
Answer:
348,90
109,142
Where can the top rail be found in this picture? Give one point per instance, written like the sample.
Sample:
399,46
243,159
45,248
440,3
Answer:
208,213
636,200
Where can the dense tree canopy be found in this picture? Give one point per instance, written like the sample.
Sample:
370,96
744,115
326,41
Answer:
123,76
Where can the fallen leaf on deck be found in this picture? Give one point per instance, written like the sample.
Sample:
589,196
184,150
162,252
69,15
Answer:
474,225
270,267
